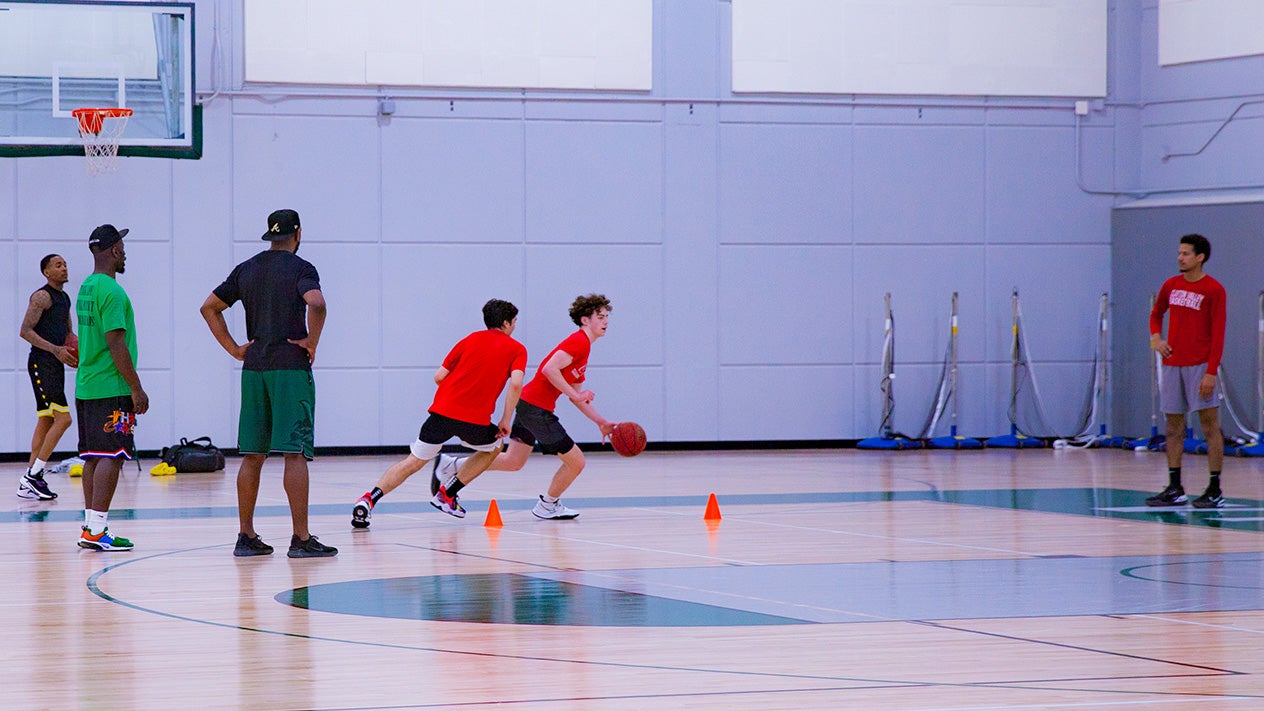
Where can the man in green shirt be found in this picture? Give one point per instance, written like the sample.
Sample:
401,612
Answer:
108,393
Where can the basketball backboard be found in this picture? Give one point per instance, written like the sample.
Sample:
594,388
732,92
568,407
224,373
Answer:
60,56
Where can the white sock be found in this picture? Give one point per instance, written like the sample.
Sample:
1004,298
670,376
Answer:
548,499
96,521
37,467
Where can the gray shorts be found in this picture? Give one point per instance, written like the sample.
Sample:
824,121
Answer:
1178,390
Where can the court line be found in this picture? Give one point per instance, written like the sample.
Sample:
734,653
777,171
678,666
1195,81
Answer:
1181,698
1196,623
877,536
92,585
686,588
1064,645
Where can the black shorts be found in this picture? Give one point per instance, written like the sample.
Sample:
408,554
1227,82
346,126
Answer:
106,427
438,429
48,380
534,425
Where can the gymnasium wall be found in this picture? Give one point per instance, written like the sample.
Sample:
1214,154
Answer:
746,241
1199,142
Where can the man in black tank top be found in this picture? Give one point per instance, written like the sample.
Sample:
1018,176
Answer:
49,330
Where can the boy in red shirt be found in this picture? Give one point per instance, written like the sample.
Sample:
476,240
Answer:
560,373
470,381
1191,361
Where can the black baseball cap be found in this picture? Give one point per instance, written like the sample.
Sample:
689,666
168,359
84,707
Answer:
282,224
104,237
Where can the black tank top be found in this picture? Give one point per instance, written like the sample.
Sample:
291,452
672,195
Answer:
54,322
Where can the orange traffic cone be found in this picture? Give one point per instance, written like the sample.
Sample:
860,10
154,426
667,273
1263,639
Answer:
713,509
493,516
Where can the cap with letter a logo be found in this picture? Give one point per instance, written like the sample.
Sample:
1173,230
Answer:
282,224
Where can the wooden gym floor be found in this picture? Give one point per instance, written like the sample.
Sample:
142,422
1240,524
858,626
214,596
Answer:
835,580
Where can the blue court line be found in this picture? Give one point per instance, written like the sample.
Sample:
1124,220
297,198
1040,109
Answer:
1103,503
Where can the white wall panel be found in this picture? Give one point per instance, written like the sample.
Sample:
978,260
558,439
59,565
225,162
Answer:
785,305
1200,30
430,169
155,429
950,47
559,44
594,182
785,183
921,185
801,402
60,201
1032,192
284,162
348,406
16,430
403,399
436,294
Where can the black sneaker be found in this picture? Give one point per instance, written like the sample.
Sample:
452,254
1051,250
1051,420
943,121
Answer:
1171,496
1208,501
311,548
33,486
362,512
247,546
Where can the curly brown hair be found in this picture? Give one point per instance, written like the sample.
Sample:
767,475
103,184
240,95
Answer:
588,305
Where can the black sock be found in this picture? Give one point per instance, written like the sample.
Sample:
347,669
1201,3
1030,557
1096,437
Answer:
376,495
1174,477
1213,484
454,487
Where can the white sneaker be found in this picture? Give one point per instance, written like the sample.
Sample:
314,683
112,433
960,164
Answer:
441,474
555,511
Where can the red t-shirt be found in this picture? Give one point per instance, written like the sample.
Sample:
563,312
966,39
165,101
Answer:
540,392
1196,326
478,366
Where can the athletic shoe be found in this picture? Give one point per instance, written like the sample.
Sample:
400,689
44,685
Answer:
247,546
447,504
442,472
1171,496
103,541
362,512
556,510
33,486
1207,501
311,548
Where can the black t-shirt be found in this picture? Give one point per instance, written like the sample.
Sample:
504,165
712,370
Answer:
54,323
271,285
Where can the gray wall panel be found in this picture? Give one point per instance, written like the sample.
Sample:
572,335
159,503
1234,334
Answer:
1144,255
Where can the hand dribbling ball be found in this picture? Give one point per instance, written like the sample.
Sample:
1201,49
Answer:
628,439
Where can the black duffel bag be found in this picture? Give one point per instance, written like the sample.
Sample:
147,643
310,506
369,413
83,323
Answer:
194,456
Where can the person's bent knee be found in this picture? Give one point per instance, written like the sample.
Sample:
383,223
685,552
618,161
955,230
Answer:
574,458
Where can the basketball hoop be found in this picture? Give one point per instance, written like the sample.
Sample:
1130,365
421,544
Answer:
100,130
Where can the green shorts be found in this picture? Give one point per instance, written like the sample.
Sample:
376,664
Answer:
278,408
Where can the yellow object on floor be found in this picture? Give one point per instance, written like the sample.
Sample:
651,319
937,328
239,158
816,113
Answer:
75,470
162,469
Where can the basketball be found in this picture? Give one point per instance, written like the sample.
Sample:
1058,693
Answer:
628,439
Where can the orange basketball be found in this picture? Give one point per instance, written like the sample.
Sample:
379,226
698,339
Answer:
628,439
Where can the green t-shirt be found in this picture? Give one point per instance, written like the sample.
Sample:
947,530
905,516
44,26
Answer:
102,306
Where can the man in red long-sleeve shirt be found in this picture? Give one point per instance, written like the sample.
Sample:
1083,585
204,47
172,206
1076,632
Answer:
1191,360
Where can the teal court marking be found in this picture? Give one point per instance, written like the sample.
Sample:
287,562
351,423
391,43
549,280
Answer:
802,594
1239,514
516,599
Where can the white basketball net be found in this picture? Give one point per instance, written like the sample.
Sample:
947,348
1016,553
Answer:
100,148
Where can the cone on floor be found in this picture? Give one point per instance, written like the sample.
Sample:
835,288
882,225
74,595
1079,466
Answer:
493,516
713,509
